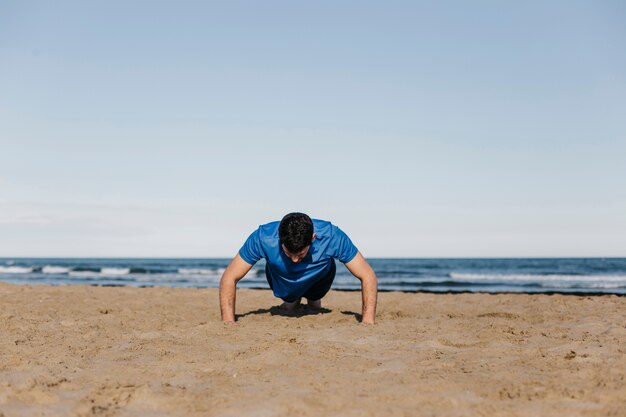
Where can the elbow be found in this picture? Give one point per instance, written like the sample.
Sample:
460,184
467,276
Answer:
368,279
228,280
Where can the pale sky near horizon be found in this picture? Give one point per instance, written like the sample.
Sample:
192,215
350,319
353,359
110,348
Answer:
422,129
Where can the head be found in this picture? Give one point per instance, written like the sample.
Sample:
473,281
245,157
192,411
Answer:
296,235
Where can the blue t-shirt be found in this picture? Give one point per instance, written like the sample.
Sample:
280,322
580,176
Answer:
291,280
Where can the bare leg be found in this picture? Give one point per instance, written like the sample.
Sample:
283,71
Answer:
291,306
314,304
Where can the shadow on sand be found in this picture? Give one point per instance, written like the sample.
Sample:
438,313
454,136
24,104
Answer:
300,311
356,316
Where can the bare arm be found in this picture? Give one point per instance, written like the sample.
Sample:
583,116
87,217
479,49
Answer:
369,286
236,270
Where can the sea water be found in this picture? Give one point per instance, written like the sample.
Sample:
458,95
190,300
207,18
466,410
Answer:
567,275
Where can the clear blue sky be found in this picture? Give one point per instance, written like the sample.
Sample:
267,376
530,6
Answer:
426,129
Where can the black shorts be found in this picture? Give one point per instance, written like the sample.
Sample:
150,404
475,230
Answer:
317,291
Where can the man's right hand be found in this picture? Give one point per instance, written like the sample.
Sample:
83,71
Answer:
236,270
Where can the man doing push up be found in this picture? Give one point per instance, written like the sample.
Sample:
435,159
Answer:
300,255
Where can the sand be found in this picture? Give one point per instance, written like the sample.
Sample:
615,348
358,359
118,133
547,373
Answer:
97,351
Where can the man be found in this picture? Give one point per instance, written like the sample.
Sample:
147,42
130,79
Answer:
300,255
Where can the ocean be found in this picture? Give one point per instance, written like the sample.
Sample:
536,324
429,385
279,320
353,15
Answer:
541,275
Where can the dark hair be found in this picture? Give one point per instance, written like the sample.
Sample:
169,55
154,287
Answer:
295,231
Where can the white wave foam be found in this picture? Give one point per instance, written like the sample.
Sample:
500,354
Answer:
84,274
115,271
537,277
55,270
15,270
104,272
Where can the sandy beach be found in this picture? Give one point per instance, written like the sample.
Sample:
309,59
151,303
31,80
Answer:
104,351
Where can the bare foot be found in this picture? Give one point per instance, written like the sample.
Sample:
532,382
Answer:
290,306
314,304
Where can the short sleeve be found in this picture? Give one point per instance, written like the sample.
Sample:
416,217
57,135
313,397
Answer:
345,250
251,250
